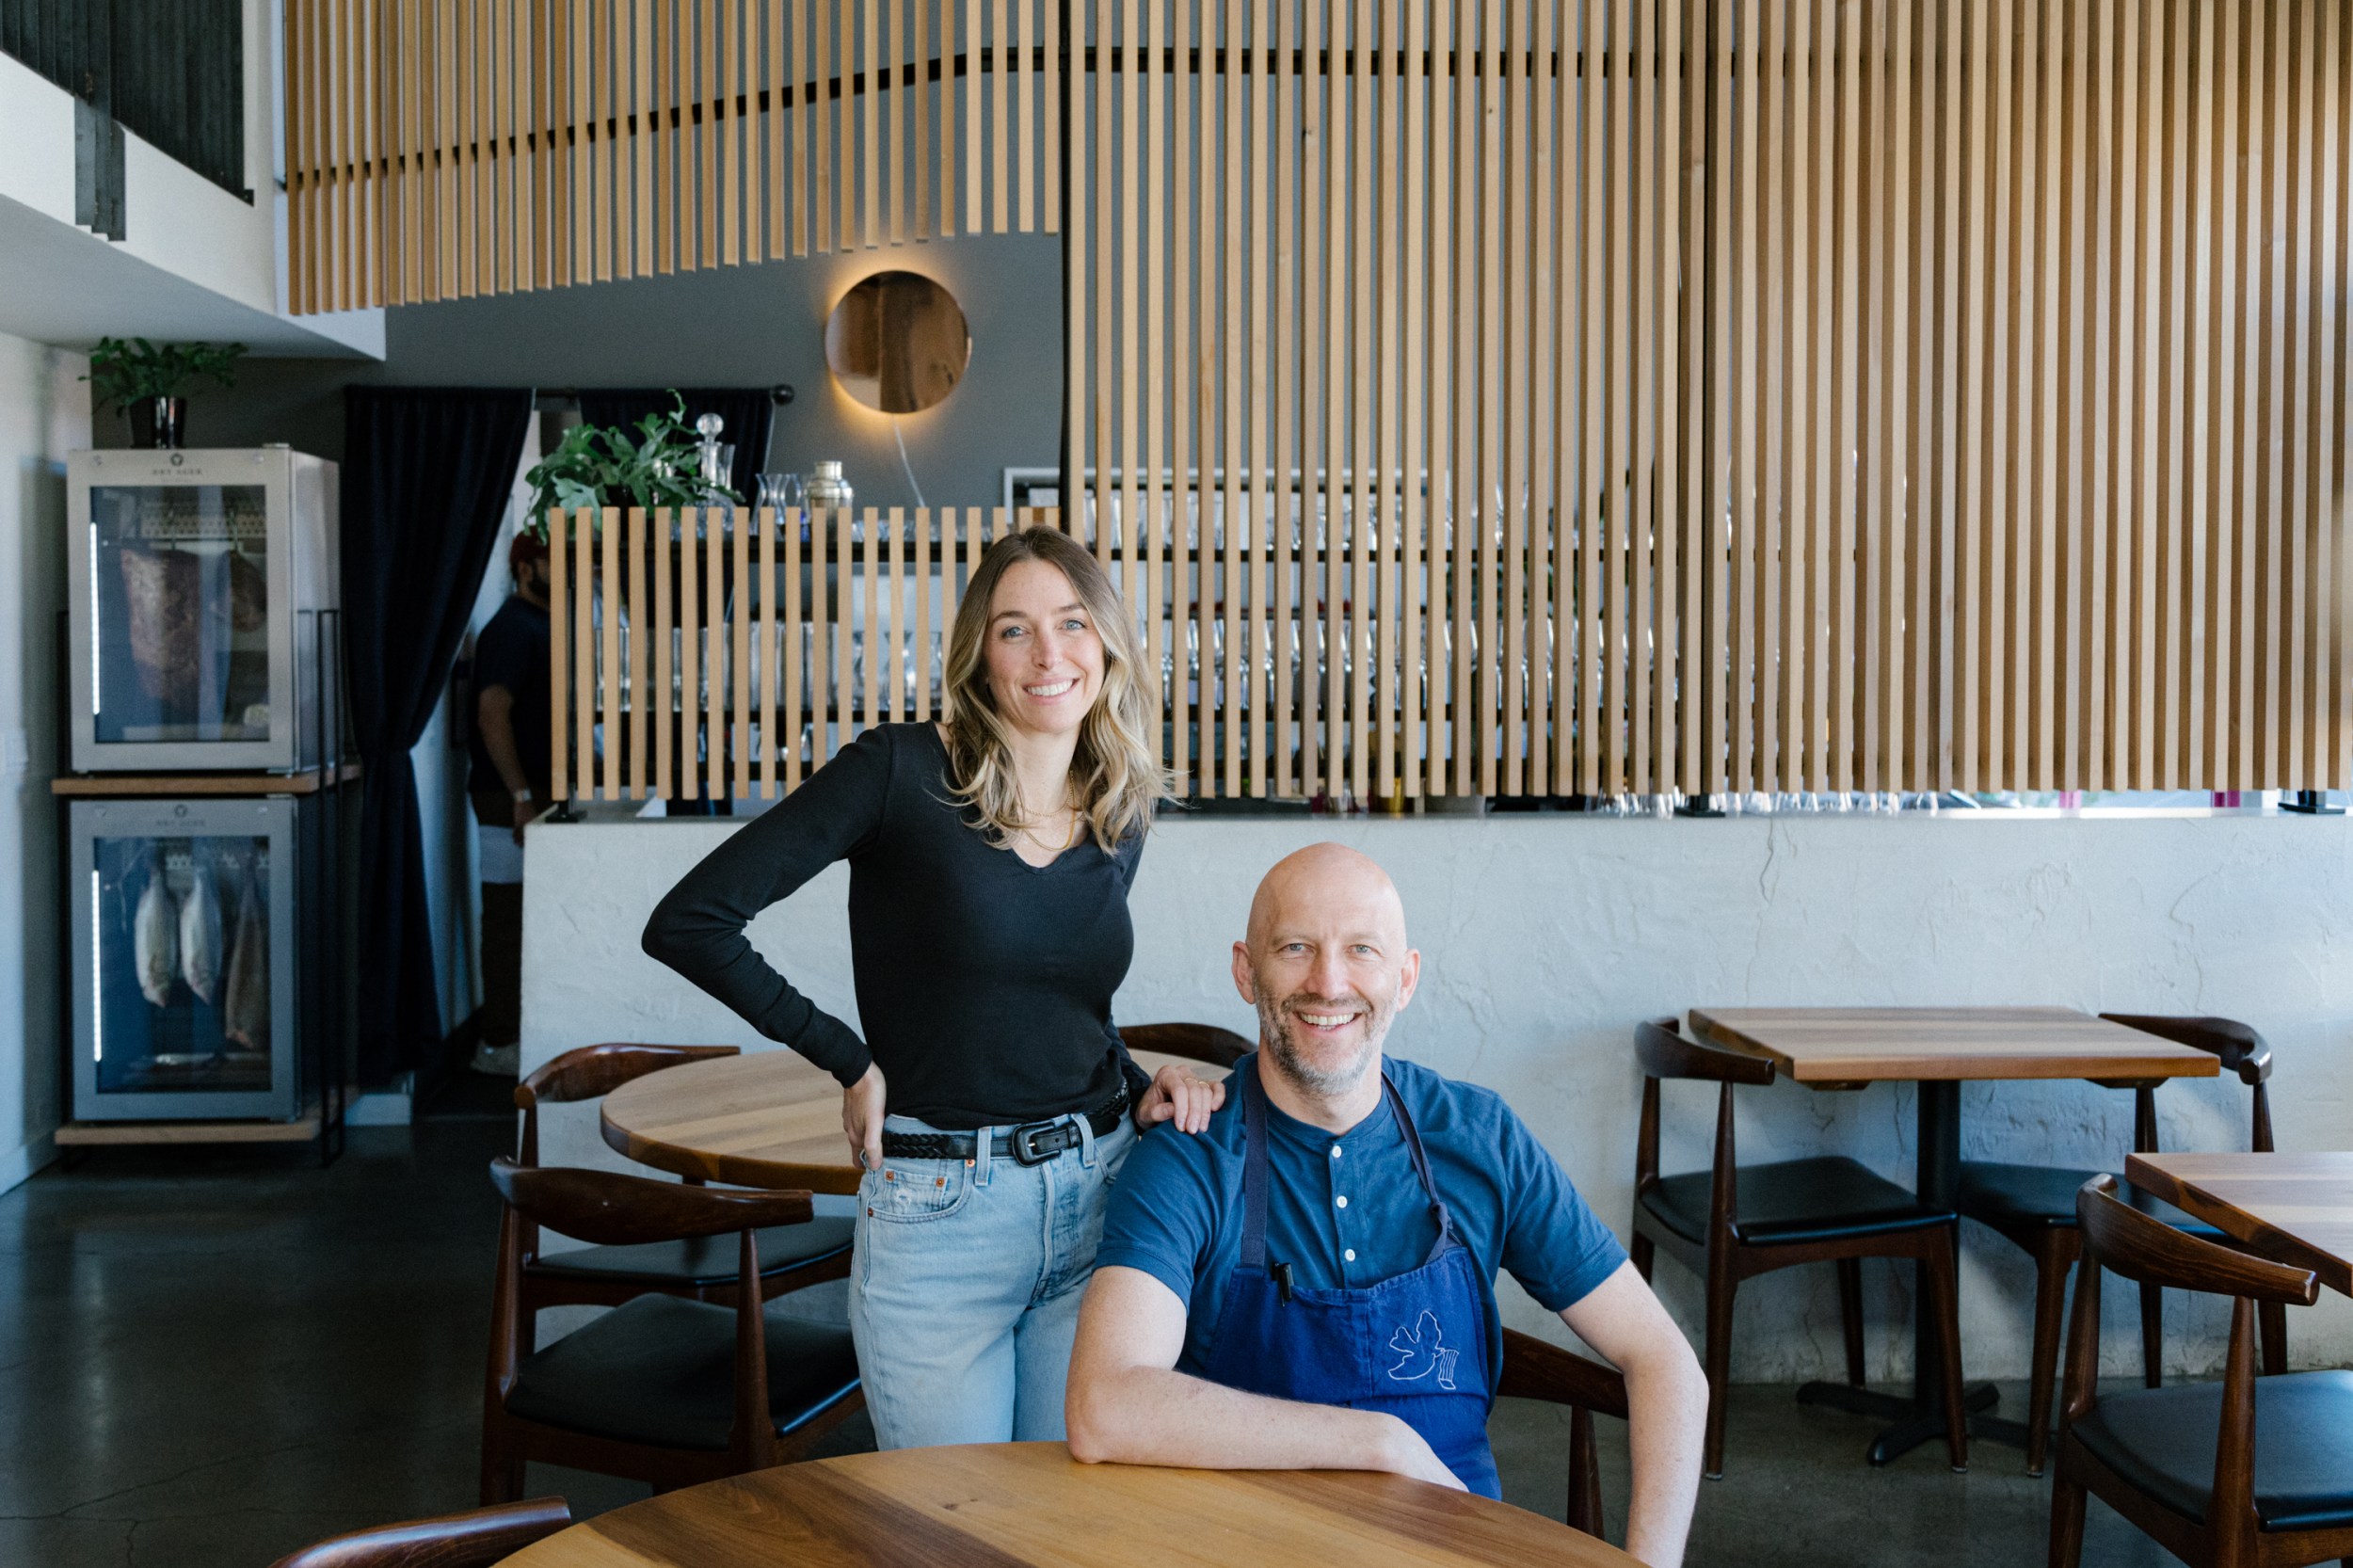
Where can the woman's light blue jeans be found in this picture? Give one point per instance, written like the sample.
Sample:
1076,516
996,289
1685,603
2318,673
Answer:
965,1297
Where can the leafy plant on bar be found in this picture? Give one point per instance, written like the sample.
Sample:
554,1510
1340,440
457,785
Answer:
598,466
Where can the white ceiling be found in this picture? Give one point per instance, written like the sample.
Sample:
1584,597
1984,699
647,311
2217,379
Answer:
67,286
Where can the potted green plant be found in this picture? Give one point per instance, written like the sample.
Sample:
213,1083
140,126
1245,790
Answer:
660,465
148,382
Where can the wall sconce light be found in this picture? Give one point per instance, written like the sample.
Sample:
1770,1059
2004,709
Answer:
898,343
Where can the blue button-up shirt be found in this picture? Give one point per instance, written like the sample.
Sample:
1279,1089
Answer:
1347,1211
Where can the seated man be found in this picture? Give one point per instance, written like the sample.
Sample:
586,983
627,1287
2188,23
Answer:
1309,1283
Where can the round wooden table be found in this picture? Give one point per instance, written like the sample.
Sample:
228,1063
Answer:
1006,1505
767,1118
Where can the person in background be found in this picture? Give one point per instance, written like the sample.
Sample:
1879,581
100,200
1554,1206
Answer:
1310,1283
509,783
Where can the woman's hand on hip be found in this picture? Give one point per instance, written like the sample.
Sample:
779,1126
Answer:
862,1118
1179,1097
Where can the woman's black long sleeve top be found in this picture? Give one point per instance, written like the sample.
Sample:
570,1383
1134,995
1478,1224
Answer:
985,984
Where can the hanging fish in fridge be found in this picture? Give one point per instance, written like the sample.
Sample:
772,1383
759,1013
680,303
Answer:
246,1009
199,935
155,936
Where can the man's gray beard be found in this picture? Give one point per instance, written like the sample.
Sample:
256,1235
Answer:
1323,1082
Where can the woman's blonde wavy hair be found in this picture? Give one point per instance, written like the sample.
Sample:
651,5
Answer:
1112,773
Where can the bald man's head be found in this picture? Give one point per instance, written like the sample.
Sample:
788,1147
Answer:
1327,966
1323,876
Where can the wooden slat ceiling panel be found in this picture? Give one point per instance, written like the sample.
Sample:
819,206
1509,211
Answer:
443,149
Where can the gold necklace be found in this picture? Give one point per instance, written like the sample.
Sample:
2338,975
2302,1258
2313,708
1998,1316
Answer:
1077,821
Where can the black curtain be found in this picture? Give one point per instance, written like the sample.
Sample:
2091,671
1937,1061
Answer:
426,475
744,409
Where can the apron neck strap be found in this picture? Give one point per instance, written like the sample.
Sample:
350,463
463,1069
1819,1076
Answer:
1254,1170
1255,1180
1421,1165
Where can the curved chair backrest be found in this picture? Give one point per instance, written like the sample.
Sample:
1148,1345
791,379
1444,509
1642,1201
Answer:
2140,1247
2243,1051
1219,1047
589,1071
473,1540
1536,1368
609,1210
1664,1052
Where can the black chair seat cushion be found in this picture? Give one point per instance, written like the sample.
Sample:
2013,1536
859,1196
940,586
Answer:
661,1370
2162,1441
1795,1200
2026,1196
702,1260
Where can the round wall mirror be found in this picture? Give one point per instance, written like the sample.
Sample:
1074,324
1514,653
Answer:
898,343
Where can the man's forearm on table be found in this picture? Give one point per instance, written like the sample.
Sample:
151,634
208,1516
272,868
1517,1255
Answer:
1147,1416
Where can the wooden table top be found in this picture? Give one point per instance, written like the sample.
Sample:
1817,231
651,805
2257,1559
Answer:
1007,1505
2295,1208
1867,1045
767,1118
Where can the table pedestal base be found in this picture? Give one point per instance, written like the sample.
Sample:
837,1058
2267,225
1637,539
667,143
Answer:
1915,1421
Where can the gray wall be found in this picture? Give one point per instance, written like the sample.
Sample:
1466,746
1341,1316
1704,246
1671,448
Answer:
747,326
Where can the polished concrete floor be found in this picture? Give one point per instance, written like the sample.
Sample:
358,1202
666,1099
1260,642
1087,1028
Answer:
209,1358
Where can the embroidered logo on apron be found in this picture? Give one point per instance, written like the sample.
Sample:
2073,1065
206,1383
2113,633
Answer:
1421,1352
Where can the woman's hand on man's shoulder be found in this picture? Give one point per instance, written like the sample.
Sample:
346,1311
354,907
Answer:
1180,1099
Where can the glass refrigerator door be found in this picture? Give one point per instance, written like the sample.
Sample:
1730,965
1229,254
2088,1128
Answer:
181,1000
180,623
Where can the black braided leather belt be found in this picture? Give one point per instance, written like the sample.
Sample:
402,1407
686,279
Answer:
1031,1143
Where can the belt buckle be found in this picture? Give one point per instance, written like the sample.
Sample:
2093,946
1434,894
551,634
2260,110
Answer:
1025,1138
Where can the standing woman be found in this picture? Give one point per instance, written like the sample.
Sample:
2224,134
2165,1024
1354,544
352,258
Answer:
991,1101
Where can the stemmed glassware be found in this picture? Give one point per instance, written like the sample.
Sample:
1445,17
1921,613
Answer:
789,494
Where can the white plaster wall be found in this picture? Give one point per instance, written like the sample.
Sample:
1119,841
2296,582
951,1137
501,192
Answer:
44,413
181,225
173,216
37,128
1545,939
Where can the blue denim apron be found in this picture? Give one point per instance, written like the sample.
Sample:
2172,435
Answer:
1414,1345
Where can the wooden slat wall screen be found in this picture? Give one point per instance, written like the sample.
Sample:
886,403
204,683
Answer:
446,149
2016,442
1648,395
1699,395
1375,369
766,640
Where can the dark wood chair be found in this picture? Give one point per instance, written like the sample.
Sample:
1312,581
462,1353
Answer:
1219,1047
1536,1369
2033,1206
474,1540
698,1267
2245,1473
661,1388
1732,1223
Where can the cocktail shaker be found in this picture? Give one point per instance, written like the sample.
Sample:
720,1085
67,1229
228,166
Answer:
828,487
